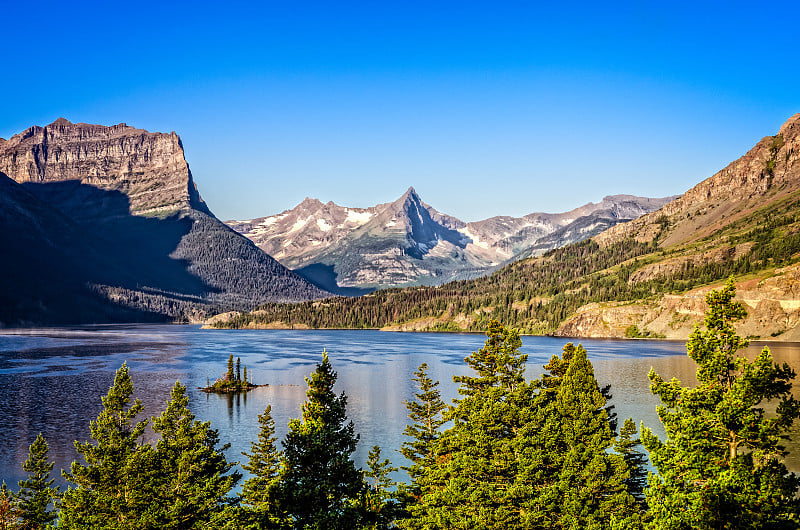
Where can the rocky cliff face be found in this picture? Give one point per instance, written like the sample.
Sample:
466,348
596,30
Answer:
138,240
772,303
768,172
149,168
409,242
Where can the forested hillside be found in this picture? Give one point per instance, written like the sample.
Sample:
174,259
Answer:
743,222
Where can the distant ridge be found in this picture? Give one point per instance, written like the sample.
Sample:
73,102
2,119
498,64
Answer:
408,242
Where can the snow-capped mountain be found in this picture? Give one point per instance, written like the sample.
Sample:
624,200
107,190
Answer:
408,242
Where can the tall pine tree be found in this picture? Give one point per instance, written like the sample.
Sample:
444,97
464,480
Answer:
378,504
319,484
590,486
192,478
470,483
111,489
36,493
425,412
263,464
629,447
721,464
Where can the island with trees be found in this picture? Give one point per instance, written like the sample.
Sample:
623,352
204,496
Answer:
233,380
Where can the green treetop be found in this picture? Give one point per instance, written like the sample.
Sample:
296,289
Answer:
426,414
378,505
231,374
590,487
721,463
629,446
193,478
469,484
36,492
319,484
263,464
110,489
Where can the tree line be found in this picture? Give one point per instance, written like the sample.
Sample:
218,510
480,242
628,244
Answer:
507,453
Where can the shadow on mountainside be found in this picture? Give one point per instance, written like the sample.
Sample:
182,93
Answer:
131,251
60,240
324,277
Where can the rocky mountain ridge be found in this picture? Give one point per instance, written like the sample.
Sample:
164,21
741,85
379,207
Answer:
135,235
408,242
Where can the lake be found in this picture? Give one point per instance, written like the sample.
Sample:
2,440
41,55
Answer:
51,379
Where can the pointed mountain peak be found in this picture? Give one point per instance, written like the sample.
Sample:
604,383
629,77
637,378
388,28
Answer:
61,122
409,196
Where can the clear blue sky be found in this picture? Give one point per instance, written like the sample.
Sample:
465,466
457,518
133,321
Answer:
485,108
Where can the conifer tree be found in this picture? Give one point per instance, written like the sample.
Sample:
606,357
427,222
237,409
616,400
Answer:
721,463
319,484
426,414
627,446
263,464
245,374
8,514
470,485
193,477
591,483
230,368
36,492
379,507
110,489
238,369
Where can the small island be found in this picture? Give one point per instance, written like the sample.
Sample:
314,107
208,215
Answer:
231,381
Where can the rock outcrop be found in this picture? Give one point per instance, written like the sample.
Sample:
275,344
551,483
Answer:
772,304
149,168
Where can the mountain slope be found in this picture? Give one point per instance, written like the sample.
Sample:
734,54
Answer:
135,231
643,278
407,242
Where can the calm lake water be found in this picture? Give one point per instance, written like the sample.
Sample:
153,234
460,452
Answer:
51,380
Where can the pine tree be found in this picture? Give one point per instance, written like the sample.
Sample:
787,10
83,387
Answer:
230,368
591,483
238,369
721,463
627,446
426,414
8,513
319,484
470,484
263,464
110,490
193,477
378,505
245,374
36,492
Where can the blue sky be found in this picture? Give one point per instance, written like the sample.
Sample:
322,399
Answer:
485,108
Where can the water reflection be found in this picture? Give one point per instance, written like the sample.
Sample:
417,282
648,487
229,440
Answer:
52,379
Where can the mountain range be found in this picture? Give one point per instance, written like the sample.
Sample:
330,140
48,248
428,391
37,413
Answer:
644,278
102,224
408,242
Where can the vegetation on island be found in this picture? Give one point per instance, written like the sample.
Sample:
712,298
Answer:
536,295
508,453
233,380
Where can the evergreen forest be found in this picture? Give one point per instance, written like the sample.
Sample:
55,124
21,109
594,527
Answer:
508,453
